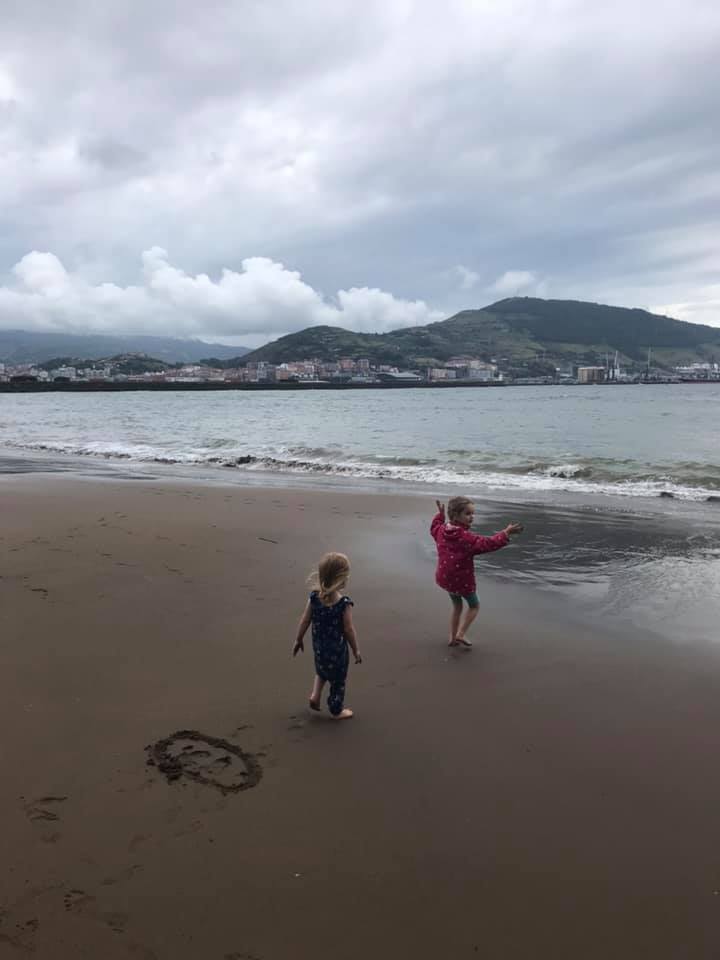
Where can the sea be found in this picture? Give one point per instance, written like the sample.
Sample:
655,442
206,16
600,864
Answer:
618,485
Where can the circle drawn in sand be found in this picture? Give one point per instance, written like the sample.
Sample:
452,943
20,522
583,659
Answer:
205,759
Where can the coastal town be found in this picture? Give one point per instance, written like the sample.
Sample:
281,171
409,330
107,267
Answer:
138,369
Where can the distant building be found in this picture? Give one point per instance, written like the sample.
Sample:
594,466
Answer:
257,371
67,373
458,368
699,371
591,374
470,368
282,373
403,376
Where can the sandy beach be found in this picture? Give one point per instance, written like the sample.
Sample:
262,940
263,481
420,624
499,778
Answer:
553,793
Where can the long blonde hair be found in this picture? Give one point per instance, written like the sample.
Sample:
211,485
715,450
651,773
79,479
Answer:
331,576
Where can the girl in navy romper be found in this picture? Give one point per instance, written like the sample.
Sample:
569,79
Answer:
330,613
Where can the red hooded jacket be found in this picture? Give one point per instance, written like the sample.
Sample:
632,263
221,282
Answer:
456,548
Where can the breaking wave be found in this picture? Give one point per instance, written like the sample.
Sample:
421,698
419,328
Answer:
623,477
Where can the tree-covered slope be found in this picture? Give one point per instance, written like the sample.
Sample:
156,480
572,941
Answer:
519,328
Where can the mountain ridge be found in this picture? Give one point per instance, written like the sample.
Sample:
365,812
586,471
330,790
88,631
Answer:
27,346
521,329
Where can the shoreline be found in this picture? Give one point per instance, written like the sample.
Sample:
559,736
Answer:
92,386
15,460
516,801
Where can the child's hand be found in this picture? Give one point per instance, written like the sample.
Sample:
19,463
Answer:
298,648
358,658
512,528
441,507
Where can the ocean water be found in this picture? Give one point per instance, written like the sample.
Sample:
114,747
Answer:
621,441
618,486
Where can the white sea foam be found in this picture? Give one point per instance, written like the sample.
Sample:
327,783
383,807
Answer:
569,477
622,441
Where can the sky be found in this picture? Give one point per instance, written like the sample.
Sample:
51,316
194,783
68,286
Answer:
239,170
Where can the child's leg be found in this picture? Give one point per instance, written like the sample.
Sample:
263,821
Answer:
316,692
454,618
470,614
336,699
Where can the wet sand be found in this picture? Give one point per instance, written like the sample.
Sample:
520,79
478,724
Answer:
554,793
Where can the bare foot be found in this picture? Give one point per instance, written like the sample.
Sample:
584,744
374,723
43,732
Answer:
314,705
344,714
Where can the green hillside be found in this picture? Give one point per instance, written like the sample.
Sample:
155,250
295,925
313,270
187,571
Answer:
630,331
331,343
519,329
129,364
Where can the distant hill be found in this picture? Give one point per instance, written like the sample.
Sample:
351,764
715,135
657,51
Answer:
330,343
520,329
24,346
126,363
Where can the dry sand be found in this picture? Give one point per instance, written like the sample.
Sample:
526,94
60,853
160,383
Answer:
552,794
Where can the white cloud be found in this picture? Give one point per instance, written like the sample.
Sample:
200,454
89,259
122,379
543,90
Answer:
699,311
307,134
514,282
264,299
468,278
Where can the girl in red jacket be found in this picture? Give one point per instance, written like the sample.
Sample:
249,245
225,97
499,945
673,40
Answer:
456,547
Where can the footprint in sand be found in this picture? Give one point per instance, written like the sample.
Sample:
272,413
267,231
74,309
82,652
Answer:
138,840
19,922
84,904
76,901
43,808
125,874
243,726
18,935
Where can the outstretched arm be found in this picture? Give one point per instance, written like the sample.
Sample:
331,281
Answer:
488,544
303,625
438,520
349,632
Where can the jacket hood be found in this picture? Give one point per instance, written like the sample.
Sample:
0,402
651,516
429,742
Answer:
451,532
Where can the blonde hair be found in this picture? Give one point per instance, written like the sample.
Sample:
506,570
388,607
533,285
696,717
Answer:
456,505
331,575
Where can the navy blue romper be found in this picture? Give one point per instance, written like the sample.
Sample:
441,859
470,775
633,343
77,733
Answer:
330,647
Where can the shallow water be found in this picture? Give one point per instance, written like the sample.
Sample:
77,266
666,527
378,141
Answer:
583,468
630,441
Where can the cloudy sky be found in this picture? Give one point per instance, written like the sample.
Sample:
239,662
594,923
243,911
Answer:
239,170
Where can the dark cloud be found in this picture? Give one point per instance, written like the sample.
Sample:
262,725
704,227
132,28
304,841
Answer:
441,153
110,154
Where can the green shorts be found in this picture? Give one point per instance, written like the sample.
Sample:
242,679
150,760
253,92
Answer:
471,599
